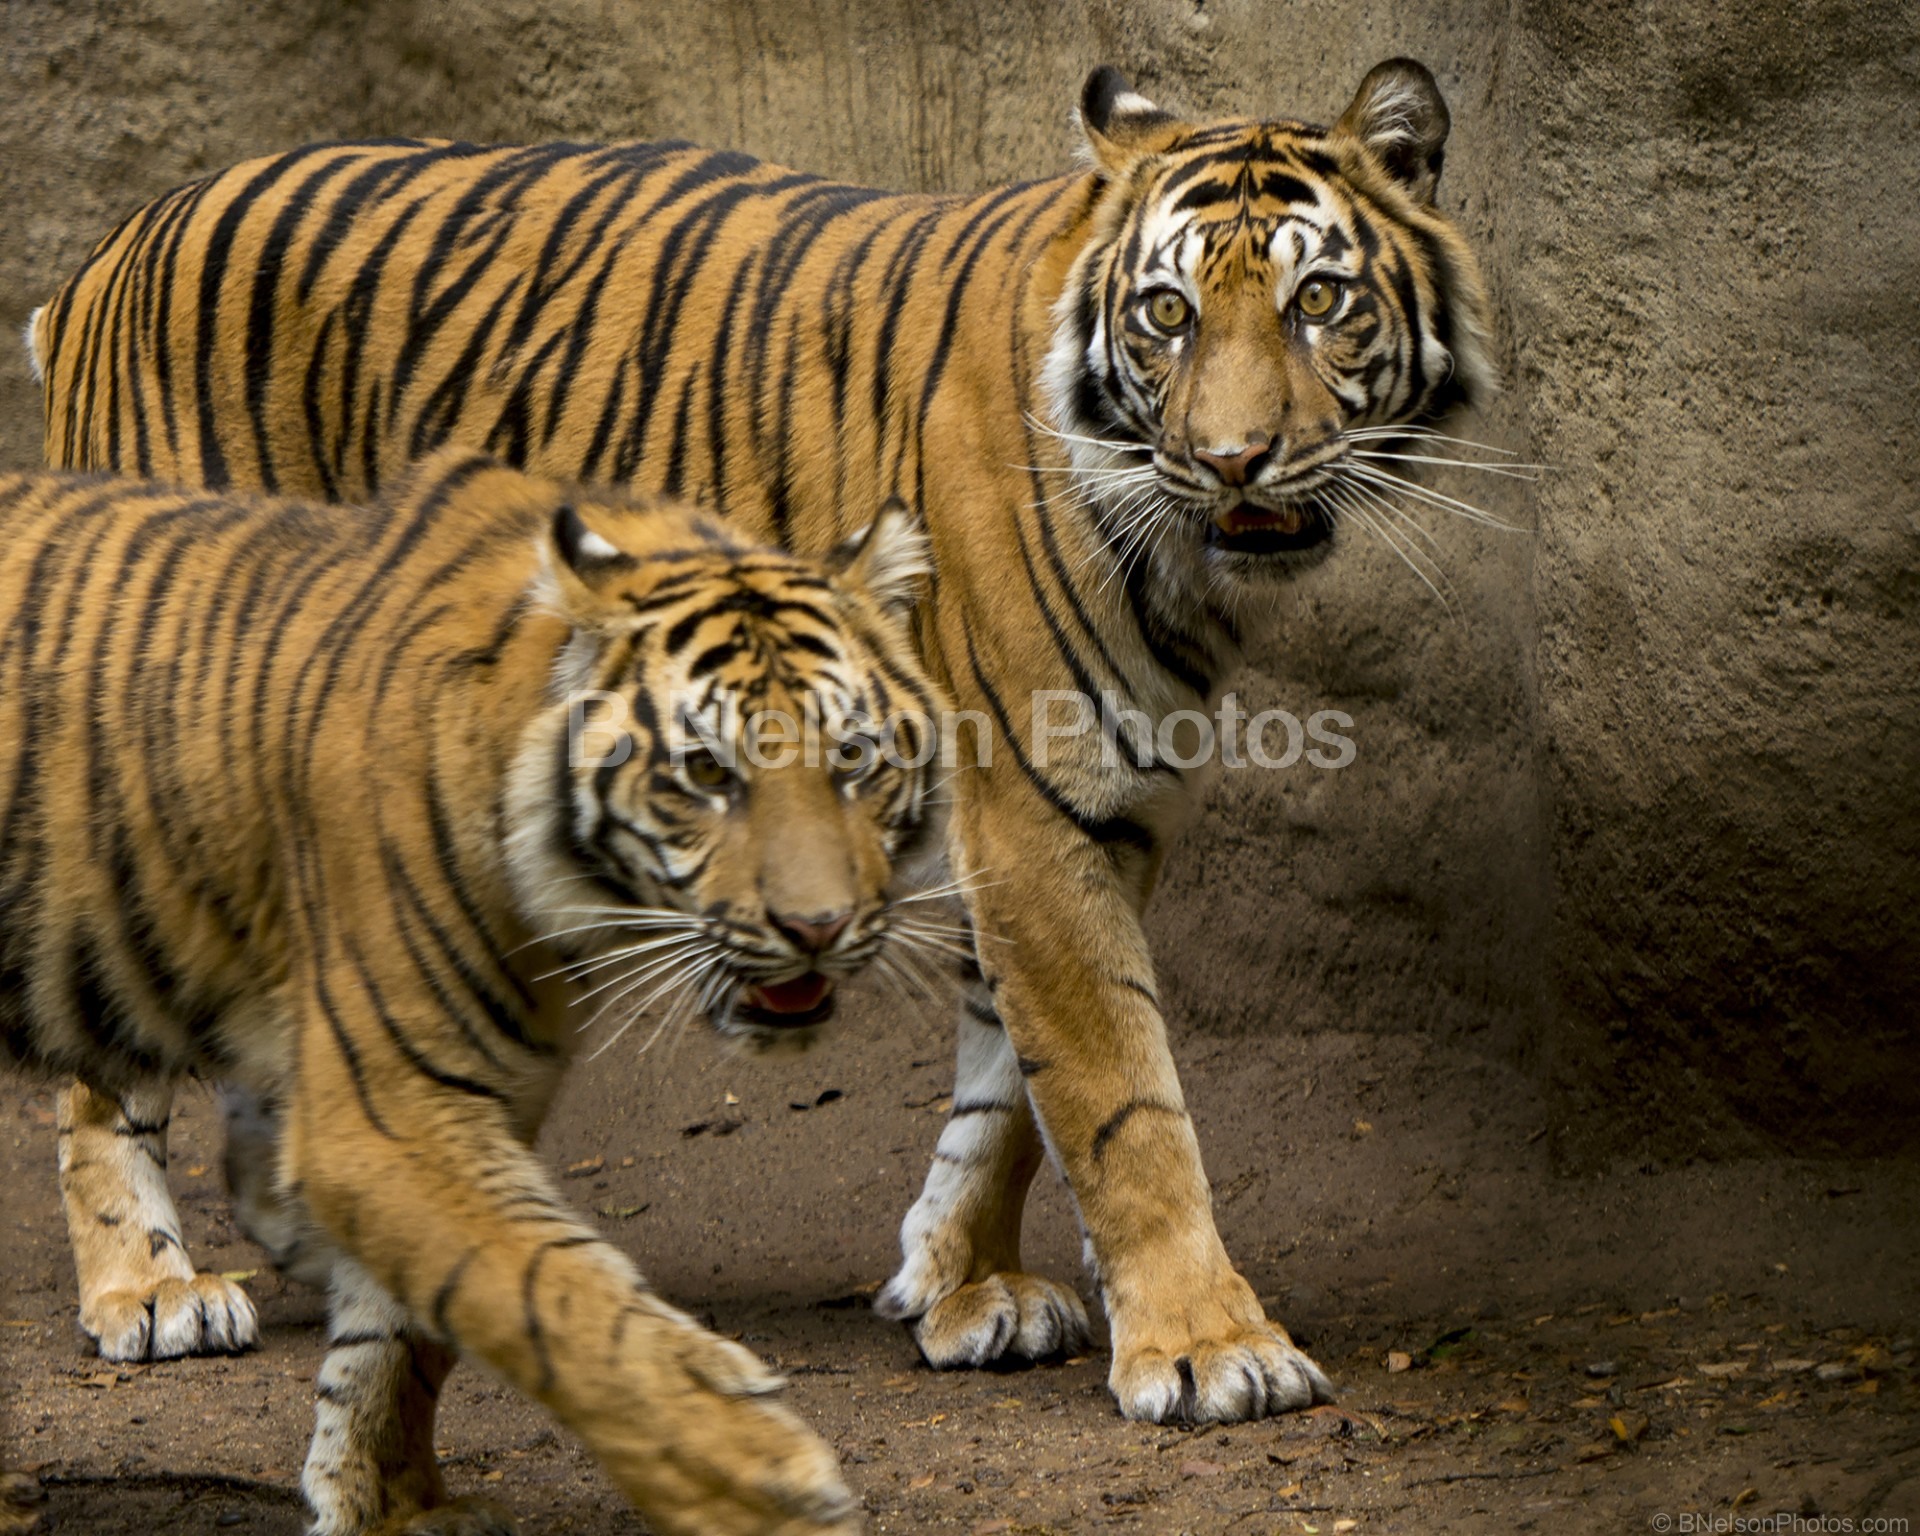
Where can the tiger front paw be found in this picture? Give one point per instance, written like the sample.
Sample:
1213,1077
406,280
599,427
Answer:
750,1469
1014,1314
732,1462
468,1516
1238,1373
207,1315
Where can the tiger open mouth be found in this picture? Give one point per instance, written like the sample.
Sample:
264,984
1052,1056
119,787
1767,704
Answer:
791,1004
1245,529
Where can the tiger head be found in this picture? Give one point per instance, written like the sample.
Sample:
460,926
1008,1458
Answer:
1256,293
738,757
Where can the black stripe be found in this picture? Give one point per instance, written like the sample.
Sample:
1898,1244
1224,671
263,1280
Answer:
414,1056
443,1297
259,346
213,269
985,1013
433,424
536,1336
1111,1126
1108,831
964,1108
349,1052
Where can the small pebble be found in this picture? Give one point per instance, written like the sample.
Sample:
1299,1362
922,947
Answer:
1600,1368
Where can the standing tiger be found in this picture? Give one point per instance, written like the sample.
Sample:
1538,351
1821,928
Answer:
297,798
1126,402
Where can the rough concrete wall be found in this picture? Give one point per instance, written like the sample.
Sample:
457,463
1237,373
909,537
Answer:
1713,255
1643,800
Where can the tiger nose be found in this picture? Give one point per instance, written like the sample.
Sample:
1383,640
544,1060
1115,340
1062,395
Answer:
1235,466
812,934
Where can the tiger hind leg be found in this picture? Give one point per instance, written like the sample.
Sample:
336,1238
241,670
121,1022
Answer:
271,1220
140,1296
371,1466
961,1283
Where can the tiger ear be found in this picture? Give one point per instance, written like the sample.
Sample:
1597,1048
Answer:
1121,125
1401,116
889,559
581,566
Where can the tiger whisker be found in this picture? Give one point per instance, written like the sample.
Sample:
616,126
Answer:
580,969
1083,471
690,1002
1512,471
680,979
893,984
661,913
965,885
637,918
1385,535
1118,444
931,943
613,1004
1384,503
1142,535
558,933
710,993
905,954
1121,512
671,1022
1385,477
1424,434
1152,530
1161,520
955,931
911,980
649,967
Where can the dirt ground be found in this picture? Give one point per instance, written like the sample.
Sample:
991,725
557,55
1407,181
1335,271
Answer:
1576,1353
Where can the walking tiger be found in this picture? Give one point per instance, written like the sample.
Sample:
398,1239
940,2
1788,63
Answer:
290,799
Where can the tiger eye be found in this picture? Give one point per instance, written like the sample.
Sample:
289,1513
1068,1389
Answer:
1316,297
705,771
1168,309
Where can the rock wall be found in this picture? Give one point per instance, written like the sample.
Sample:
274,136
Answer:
1641,803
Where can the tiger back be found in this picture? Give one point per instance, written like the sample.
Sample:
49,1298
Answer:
295,798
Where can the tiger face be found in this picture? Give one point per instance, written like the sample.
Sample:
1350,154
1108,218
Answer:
1258,292
742,756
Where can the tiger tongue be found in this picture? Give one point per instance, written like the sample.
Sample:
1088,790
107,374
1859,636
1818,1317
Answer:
800,995
1245,519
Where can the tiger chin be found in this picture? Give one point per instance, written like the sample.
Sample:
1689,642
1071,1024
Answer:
302,800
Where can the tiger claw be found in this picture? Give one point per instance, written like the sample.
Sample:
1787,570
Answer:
207,1315
1007,1314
